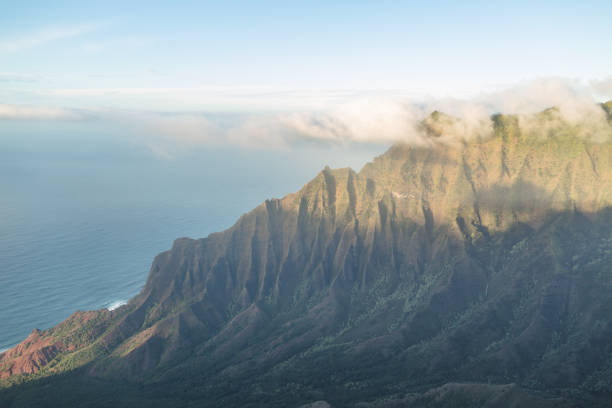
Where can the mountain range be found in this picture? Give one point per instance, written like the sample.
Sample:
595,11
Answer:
449,273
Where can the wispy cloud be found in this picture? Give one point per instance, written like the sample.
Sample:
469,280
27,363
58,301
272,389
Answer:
127,42
16,112
45,36
223,98
603,87
14,77
363,120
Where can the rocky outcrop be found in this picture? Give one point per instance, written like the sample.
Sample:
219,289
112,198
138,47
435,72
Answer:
30,355
42,347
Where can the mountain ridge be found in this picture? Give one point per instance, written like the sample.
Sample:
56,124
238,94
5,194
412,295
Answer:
417,257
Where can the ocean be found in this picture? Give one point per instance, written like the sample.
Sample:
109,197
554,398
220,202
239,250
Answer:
80,222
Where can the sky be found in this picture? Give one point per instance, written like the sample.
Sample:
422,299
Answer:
190,68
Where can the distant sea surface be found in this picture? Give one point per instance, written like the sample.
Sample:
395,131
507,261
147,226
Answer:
81,224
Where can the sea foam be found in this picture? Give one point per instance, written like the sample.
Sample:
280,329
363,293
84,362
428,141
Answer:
116,304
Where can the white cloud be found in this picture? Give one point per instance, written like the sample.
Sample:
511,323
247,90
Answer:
574,101
160,152
45,36
186,128
603,87
166,135
369,120
15,112
376,120
13,77
536,95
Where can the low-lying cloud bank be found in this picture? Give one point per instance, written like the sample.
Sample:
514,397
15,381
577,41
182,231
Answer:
384,120
371,119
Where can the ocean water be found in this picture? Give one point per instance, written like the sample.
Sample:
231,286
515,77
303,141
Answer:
80,223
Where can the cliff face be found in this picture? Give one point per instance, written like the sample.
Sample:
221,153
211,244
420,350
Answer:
487,261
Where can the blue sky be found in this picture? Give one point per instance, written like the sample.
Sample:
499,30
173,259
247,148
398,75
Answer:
271,55
173,75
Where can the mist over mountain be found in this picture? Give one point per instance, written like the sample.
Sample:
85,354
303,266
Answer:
470,267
